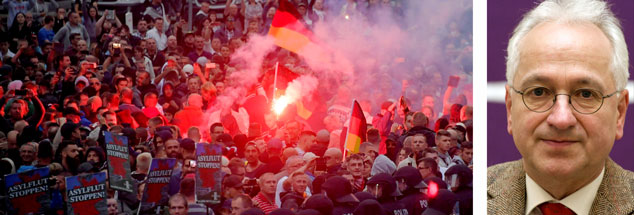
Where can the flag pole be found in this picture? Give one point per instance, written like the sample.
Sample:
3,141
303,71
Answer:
277,64
345,142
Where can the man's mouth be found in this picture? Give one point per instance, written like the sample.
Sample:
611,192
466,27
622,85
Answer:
559,142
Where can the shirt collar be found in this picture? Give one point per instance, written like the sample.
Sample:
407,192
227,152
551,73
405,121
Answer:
580,201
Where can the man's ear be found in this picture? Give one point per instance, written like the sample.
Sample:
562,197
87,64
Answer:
621,110
509,102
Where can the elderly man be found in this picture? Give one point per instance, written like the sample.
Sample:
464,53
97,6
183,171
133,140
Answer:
28,153
567,67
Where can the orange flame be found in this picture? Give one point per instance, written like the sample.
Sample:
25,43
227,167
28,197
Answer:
280,104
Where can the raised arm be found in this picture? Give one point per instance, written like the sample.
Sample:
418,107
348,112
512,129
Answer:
100,23
38,112
226,12
445,101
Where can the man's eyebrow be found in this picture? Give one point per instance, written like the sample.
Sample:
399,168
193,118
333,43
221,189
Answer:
586,80
534,78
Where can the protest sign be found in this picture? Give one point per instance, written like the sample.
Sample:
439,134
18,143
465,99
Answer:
208,174
28,192
86,194
156,184
118,162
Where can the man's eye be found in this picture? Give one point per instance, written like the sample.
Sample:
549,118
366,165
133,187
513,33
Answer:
585,93
538,91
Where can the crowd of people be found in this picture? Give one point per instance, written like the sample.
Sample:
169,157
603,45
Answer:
68,78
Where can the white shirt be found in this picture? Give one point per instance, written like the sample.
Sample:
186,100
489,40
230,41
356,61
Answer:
161,38
580,201
8,54
280,189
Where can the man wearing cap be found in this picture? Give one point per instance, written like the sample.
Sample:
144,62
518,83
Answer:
410,182
566,101
383,187
339,190
232,187
459,179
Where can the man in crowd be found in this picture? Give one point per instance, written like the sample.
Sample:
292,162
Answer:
265,199
564,124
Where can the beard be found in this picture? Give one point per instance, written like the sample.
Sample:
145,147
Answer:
175,155
73,163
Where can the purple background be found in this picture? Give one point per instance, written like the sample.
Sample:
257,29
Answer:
502,17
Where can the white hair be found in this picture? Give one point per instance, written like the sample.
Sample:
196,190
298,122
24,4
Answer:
596,12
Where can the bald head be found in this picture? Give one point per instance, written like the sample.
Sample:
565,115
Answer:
95,102
333,157
127,95
419,119
195,100
12,139
294,163
19,125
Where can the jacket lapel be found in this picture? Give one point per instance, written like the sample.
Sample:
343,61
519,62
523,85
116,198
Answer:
506,188
616,192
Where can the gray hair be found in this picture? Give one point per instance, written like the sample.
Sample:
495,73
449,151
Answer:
596,12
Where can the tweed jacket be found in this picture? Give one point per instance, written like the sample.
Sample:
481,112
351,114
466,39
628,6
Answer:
506,190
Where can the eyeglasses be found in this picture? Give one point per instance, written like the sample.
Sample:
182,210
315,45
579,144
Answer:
541,99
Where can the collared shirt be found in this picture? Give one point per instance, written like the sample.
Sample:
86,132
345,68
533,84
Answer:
160,37
264,203
580,201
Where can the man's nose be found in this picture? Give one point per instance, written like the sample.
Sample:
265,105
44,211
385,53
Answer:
561,115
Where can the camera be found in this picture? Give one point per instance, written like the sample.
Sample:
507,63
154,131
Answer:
52,181
20,92
117,49
251,186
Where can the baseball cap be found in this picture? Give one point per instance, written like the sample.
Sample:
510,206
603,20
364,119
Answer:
233,181
188,69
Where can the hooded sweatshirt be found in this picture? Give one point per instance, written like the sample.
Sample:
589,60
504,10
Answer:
64,33
100,153
383,164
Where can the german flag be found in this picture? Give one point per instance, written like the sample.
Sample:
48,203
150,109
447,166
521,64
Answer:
288,31
356,129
